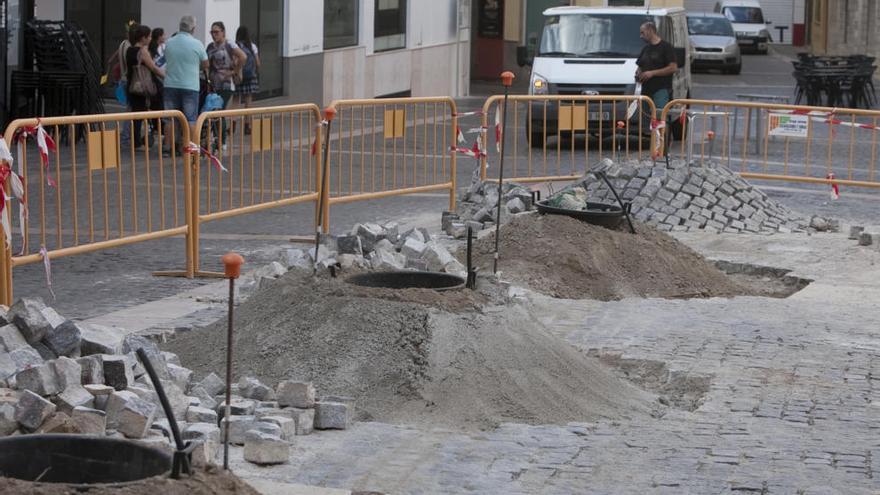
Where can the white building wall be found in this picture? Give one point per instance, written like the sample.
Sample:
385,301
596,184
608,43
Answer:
426,67
304,27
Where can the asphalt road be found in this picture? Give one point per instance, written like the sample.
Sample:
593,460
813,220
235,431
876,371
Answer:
92,284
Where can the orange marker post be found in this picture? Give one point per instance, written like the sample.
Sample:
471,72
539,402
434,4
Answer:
329,115
507,82
232,270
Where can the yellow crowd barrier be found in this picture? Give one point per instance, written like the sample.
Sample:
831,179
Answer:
271,158
557,137
110,184
107,185
777,142
391,147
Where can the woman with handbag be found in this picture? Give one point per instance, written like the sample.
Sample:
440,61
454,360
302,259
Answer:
141,68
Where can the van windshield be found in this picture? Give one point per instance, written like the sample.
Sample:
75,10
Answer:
713,26
745,15
592,35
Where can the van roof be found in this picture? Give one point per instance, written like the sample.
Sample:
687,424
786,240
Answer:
740,3
612,10
706,14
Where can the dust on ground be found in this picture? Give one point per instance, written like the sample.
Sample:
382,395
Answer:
211,480
410,362
567,258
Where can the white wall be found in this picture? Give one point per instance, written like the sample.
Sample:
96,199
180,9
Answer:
304,29
432,22
226,11
50,10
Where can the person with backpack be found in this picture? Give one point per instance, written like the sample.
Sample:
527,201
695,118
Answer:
250,78
225,60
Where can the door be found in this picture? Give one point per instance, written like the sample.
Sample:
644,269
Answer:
264,19
487,59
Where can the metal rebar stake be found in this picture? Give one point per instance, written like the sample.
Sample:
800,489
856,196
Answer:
329,115
507,81
232,269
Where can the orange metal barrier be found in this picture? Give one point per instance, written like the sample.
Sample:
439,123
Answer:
269,161
390,147
778,142
557,137
100,189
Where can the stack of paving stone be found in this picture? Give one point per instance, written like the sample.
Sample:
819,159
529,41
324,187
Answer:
865,238
372,246
679,197
60,376
478,208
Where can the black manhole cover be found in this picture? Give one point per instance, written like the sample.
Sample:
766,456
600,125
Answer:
408,280
79,459
601,214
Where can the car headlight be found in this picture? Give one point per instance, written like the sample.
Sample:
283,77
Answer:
764,34
731,47
539,85
741,34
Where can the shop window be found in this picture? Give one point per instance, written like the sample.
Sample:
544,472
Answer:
390,25
340,23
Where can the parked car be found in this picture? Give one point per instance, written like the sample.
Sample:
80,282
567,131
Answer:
752,31
593,51
714,42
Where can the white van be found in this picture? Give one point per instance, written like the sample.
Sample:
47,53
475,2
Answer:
752,31
593,51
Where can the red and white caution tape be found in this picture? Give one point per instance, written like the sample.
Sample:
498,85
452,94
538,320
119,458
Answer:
474,152
656,125
498,129
835,191
194,149
460,136
16,186
635,104
318,127
47,266
45,144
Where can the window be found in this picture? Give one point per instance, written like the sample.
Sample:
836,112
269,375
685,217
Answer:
390,25
340,23
593,35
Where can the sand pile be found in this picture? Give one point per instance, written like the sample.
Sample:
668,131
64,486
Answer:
567,258
407,360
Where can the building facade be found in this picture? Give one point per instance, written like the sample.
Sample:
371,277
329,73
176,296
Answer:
844,27
312,50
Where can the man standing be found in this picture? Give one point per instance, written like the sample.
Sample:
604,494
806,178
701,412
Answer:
656,66
185,56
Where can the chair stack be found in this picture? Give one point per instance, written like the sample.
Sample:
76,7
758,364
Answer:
67,77
836,81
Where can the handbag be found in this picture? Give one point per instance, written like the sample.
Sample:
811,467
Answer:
142,82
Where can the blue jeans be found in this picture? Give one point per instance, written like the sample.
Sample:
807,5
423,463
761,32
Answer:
660,99
185,100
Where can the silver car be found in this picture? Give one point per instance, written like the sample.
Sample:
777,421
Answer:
714,41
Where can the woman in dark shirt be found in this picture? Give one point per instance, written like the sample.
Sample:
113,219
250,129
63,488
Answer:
135,55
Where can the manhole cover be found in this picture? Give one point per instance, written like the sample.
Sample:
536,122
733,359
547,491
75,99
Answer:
408,280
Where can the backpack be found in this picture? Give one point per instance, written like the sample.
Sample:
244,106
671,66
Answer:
249,71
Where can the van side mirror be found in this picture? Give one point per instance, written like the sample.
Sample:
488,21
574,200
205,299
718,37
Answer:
523,57
679,57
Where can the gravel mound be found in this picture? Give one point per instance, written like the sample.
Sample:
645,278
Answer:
567,258
409,360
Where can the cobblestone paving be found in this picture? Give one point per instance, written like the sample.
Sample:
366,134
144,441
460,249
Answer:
792,408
